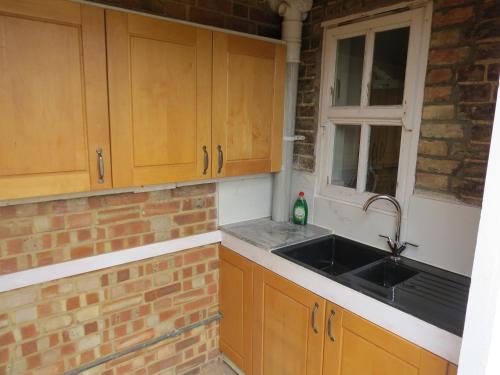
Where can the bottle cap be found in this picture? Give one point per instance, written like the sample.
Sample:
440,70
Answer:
301,194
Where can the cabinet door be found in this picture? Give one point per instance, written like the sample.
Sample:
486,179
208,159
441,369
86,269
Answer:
160,99
236,300
361,347
452,369
289,328
248,92
53,99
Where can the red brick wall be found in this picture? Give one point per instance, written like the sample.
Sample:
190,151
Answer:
461,84
248,16
460,96
38,234
54,327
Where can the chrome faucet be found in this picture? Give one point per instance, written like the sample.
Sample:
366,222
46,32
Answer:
394,244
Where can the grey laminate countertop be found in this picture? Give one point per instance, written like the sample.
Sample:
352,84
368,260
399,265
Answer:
269,235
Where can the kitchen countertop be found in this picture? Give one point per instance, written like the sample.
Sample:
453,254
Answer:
270,235
252,239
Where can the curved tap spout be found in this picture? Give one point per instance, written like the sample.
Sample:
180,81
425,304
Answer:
395,203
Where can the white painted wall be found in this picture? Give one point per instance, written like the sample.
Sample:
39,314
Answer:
481,340
444,230
244,199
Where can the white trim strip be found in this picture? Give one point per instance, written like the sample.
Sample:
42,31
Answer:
131,189
98,262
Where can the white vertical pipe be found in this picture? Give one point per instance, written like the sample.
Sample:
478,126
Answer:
293,13
282,180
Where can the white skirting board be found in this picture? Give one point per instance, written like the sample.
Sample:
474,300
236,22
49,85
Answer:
98,262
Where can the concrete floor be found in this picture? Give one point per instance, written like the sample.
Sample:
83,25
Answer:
217,368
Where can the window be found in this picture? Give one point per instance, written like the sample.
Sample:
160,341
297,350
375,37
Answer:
372,85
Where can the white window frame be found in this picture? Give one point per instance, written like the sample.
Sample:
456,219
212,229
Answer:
407,115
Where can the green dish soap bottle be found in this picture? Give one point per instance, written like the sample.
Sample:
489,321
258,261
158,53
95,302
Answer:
300,210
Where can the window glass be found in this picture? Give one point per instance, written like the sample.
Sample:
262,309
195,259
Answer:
345,155
383,159
346,90
389,67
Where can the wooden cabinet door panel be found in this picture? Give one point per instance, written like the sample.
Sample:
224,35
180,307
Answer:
160,99
248,92
236,300
285,341
361,347
53,98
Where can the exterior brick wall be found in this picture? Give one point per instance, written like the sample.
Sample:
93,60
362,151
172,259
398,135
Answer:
460,92
459,99
248,16
38,234
54,327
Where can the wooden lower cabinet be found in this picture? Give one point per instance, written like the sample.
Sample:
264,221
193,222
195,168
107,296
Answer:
452,369
236,300
272,326
356,346
288,327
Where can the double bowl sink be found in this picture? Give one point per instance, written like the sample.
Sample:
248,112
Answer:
432,294
335,257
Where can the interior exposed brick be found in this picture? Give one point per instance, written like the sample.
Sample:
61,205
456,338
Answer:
82,227
61,340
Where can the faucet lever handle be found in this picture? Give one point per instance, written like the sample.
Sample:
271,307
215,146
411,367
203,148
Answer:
411,244
390,241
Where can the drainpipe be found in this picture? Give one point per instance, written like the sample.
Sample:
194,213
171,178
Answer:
294,12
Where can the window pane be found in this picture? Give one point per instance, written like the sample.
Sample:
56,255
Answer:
383,158
389,67
345,155
349,71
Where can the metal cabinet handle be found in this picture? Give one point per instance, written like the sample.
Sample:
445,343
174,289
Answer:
205,160
221,158
100,165
313,318
329,330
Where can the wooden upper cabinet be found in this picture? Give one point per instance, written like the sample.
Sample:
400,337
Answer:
355,346
53,98
248,102
236,301
160,100
289,327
